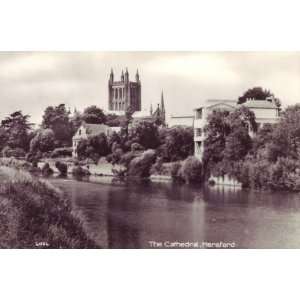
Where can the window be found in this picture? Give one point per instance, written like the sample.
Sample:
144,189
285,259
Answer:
199,113
116,93
120,93
198,131
198,148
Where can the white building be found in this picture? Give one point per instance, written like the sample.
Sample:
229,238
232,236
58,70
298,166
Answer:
181,120
87,130
266,112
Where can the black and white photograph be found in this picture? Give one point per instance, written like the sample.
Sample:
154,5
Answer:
158,150
149,150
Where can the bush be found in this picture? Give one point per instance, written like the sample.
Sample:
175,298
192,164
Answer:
62,152
43,141
78,171
191,170
140,166
46,170
157,167
127,158
14,163
33,211
93,147
136,147
34,157
16,152
175,168
62,168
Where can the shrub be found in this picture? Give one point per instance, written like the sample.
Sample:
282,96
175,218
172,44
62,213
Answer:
127,158
43,141
109,158
93,147
16,152
34,211
157,167
136,147
14,163
62,168
175,167
34,157
46,170
191,170
140,166
78,171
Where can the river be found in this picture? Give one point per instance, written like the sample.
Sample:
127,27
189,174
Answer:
163,215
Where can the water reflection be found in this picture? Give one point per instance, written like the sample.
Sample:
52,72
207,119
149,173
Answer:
129,215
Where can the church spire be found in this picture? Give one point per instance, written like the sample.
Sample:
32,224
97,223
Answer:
162,105
151,110
122,76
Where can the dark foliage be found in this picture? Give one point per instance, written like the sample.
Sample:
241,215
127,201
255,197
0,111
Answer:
62,168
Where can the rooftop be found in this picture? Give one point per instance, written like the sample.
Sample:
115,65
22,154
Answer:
94,129
259,104
141,114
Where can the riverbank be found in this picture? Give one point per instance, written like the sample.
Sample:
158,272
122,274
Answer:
100,169
35,214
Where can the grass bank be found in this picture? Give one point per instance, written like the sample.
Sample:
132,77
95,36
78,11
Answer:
34,214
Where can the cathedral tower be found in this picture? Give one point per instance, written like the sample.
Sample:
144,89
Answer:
124,94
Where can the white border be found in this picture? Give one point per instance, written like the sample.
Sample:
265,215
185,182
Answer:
149,25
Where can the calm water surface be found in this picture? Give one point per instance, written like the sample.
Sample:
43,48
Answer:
131,215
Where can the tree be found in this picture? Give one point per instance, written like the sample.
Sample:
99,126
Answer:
113,139
191,170
263,137
126,122
216,131
258,93
243,116
227,140
286,136
57,119
94,147
93,115
16,128
140,166
144,133
3,138
114,120
43,141
76,121
177,142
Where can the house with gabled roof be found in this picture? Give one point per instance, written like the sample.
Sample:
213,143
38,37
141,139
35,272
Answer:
87,130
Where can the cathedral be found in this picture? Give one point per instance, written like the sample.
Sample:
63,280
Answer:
125,94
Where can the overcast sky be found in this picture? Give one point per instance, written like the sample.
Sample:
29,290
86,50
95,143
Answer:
32,81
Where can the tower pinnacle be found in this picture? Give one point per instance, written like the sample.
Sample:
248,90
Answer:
111,76
137,76
126,75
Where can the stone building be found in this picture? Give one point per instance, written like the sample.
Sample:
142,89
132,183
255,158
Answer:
181,120
124,93
158,115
